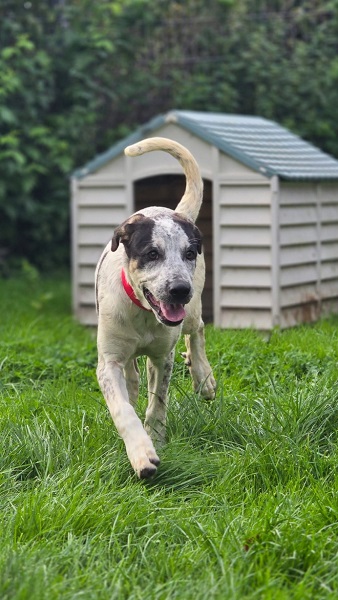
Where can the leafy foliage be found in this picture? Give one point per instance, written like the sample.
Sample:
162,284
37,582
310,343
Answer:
75,76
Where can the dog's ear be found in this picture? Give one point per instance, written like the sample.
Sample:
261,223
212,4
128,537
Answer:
123,233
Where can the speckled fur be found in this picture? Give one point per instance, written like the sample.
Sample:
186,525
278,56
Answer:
125,331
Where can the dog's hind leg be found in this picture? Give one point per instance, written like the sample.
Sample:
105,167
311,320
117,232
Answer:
196,360
132,375
159,373
139,446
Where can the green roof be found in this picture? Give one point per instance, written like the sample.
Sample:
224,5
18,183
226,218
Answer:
260,144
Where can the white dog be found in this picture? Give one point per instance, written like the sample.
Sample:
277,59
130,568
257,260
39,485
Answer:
149,281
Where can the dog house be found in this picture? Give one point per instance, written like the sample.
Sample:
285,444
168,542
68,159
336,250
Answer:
269,216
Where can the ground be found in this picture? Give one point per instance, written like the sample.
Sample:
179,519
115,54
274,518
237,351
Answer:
244,505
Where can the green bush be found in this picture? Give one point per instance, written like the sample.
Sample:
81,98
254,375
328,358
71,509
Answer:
76,75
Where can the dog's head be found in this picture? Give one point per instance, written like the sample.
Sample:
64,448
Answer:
161,251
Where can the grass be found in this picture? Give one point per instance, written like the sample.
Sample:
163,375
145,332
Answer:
245,503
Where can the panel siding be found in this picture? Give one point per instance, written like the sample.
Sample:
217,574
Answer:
90,254
249,298
296,235
298,253
246,318
298,215
99,209
98,215
299,294
101,196
329,248
240,216
87,315
245,255
329,213
244,237
114,169
307,236
255,195
298,231
329,232
330,307
308,251
88,295
299,274
301,313
86,275
329,289
94,236
329,270
231,168
248,277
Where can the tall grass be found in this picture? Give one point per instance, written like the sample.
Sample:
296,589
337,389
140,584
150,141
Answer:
245,502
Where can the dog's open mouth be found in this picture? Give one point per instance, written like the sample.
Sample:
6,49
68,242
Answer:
168,314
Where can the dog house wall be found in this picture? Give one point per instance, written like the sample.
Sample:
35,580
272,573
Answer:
274,248
308,251
104,199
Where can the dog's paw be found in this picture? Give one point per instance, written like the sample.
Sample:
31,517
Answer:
146,466
187,358
144,460
207,388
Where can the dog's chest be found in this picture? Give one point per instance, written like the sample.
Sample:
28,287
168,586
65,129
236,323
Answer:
153,340
147,340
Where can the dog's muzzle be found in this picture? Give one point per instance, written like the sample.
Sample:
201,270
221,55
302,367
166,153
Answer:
171,312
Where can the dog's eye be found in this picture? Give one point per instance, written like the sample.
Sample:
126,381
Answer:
153,254
190,254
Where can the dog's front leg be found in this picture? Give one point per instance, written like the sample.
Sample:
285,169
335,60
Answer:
159,373
139,446
132,376
198,363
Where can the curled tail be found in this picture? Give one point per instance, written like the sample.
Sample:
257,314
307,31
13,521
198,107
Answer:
191,200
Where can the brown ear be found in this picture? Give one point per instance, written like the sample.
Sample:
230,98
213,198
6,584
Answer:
124,231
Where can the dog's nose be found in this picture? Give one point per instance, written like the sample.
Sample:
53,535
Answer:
180,291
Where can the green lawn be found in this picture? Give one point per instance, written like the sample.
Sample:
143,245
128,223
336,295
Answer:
245,503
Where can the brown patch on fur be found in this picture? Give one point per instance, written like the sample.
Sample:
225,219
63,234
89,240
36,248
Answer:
124,232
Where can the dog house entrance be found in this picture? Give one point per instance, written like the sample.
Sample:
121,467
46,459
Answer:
167,190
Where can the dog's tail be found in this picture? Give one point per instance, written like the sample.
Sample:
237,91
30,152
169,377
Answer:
191,200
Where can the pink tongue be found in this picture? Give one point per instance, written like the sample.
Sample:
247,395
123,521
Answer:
173,312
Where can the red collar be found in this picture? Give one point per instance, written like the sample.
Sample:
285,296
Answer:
130,292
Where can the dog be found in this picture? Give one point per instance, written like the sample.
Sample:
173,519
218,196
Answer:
149,282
